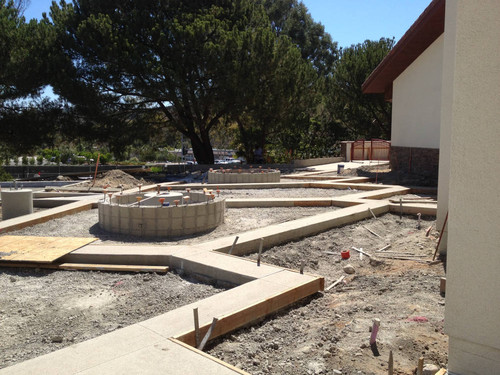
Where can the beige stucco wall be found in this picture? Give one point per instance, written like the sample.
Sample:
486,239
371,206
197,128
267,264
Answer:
416,105
472,317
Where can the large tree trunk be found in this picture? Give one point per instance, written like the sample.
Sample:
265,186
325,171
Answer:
202,149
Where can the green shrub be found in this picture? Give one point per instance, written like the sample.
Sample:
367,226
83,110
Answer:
4,176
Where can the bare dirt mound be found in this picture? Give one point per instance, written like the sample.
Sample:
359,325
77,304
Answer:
115,178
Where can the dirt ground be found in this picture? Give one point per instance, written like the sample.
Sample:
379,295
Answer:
41,311
330,332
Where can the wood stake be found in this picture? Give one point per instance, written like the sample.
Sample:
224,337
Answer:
232,247
419,225
260,251
375,327
391,364
428,231
384,248
362,252
420,367
196,327
372,232
302,263
400,208
440,236
207,336
336,283
372,213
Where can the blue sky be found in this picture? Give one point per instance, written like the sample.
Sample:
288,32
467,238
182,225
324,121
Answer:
347,21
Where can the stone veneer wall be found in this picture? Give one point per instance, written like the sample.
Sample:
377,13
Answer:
415,160
258,176
156,221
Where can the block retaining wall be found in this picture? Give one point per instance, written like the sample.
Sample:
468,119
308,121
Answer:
154,221
259,176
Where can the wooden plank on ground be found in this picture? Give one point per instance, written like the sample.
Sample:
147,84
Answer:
39,249
112,267
88,267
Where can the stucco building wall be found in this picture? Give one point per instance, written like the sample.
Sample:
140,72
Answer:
472,316
416,104
416,114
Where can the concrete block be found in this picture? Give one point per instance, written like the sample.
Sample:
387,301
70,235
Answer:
190,223
176,212
201,221
176,224
124,212
135,213
190,211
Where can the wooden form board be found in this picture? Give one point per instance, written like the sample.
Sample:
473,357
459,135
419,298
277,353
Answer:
38,249
237,319
88,267
112,267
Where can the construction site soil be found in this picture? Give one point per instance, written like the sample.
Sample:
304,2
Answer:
42,311
331,331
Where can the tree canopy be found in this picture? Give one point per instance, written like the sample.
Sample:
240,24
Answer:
263,73
25,69
362,116
176,59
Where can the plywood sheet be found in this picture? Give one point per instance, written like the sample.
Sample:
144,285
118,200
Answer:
38,249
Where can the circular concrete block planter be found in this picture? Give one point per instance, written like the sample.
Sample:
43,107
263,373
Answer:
246,176
161,215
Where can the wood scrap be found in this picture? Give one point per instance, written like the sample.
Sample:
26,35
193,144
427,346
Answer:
209,333
412,259
440,236
330,253
260,251
372,232
403,201
88,267
336,283
232,247
428,231
384,248
420,367
371,211
196,327
362,252
112,267
402,255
